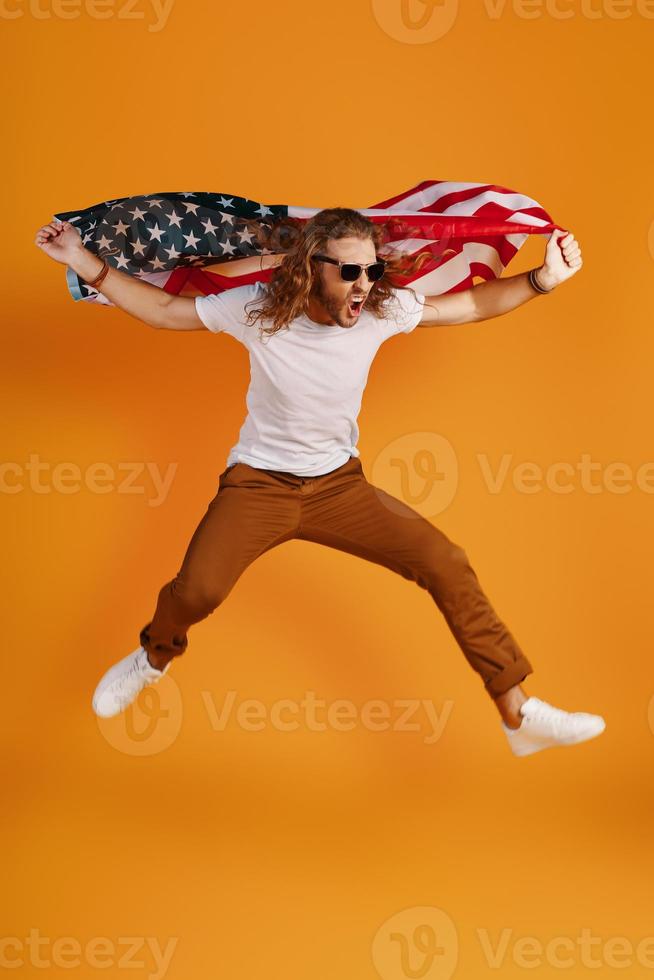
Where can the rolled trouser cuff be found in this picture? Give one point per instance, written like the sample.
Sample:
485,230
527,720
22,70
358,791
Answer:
509,676
175,649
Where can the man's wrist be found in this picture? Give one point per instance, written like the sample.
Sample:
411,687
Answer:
541,279
85,264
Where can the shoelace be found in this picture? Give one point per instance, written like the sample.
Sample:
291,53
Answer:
543,711
134,668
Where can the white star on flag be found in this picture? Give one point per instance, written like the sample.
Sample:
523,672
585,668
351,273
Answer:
209,226
191,240
156,232
245,235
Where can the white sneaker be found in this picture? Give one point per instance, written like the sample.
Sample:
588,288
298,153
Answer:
122,683
544,726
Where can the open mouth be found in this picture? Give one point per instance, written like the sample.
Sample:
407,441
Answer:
355,305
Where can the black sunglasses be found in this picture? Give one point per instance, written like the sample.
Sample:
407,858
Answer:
350,271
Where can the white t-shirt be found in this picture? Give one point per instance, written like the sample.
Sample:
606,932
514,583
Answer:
306,380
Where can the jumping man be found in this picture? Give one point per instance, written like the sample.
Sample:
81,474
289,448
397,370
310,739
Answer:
295,471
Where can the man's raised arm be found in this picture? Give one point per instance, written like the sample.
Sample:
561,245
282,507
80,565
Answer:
498,296
148,303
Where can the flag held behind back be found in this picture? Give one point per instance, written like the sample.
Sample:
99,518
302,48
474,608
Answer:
179,240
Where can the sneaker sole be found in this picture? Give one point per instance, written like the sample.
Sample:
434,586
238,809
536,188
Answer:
554,743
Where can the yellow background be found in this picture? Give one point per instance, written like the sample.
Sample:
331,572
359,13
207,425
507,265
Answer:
283,854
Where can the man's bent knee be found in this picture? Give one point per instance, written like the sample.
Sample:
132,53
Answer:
197,602
444,565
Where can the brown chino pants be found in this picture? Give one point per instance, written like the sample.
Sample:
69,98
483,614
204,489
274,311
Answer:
256,509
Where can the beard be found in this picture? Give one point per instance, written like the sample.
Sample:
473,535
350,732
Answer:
335,308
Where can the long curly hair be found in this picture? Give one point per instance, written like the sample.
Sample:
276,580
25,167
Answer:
287,293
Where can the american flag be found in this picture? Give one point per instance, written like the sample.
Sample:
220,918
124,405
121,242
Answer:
180,241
